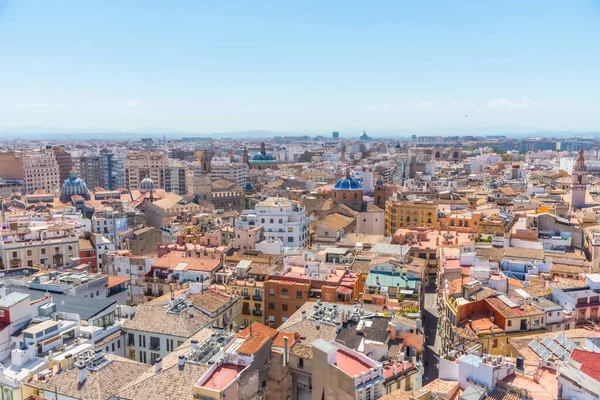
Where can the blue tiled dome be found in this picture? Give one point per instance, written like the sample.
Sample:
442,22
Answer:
347,183
262,157
248,187
379,182
73,186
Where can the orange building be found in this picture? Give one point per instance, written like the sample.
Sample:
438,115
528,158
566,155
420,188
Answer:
288,289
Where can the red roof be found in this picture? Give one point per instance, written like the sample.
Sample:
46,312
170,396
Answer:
590,362
116,280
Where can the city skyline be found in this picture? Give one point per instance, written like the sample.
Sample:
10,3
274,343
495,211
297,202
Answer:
299,67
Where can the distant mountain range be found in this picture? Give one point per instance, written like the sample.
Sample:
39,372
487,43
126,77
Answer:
43,133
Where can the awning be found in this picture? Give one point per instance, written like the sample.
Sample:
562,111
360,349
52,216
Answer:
343,290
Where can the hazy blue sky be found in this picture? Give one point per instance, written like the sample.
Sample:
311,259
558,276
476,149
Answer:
300,65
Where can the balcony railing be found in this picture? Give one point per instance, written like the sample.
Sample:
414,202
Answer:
257,313
257,297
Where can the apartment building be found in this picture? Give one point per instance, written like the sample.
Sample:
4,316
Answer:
30,244
113,167
41,172
282,219
176,178
292,285
224,168
405,214
109,223
123,264
140,165
11,166
90,168
65,163
158,329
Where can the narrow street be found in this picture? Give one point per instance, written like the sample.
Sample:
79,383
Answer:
432,338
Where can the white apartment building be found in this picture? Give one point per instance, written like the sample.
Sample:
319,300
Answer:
26,244
282,219
124,265
223,168
109,223
41,172
144,165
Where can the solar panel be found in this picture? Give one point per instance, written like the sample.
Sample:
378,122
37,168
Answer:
566,343
540,350
554,347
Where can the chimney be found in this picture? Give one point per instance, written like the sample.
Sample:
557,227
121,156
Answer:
181,361
404,365
477,330
194,344
437,241
157,365
82,375
395,369
317,323
68,360
303,315
286,353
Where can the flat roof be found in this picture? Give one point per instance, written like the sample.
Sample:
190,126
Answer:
40,327
222,376
12,299
351,364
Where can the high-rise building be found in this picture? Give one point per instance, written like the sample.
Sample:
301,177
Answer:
11,166
65,163
90,168
41,172
114,171
140,165
224,168
335,135
175,177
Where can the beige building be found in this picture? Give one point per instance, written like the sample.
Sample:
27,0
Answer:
41,172
52,245
159,211
405,214
11,166
144,165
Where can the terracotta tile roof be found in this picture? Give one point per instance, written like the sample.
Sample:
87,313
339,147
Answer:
335,221
116,280
590,362
100,385
529,254
155,319
253,344
211,300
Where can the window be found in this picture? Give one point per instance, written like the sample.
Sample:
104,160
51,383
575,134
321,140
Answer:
284,292
509,322
272,291
131,339
119,344
154,343
495,343
271,306
299,295
14,254
284,307
142,341
154,357
300,362
271,220
43,251
290,239
28,253
113,347
290,229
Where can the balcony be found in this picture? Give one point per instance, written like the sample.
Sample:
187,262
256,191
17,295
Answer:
257,297
257,313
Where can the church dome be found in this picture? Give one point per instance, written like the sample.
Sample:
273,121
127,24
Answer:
146,184
262,157
379,182
347,183
72,186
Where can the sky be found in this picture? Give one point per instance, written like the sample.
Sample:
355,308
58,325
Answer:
300,66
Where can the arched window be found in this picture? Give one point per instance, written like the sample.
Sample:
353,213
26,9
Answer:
280,221
355,196
262,220
271,220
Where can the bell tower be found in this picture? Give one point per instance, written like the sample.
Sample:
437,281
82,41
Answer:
578,182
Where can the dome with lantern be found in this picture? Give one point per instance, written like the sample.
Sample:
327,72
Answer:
146,184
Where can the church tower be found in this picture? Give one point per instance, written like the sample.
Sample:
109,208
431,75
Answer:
578,182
